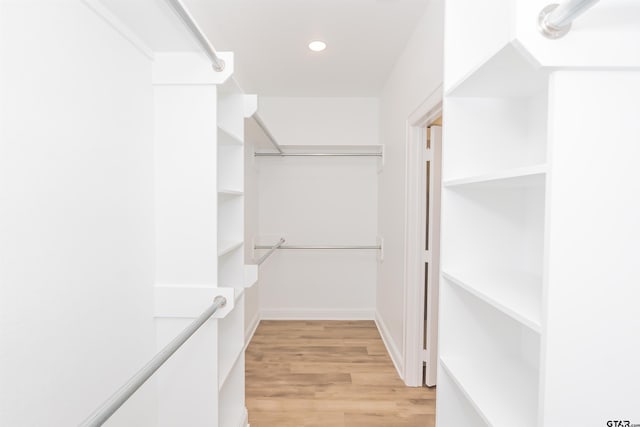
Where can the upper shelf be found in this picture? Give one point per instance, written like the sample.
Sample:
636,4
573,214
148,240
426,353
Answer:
508,73
327,149
524,177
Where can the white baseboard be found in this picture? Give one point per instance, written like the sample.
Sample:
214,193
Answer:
248,334
317,314
394,353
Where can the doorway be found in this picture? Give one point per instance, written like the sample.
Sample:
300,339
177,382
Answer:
422,240
431,172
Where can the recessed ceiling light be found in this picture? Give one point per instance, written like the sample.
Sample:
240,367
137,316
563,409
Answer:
317,45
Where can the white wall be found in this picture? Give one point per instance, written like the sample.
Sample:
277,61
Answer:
329,201
76,215
321,121
598,341
416,74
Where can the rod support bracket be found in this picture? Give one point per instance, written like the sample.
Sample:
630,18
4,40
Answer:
220,300
219,67
548,30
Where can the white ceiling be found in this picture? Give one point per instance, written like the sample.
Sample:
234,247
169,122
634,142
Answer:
270,37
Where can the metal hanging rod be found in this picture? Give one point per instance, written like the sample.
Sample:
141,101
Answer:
264,128
281,153
554,21
183,13
318,154
375,247
111,405
272,249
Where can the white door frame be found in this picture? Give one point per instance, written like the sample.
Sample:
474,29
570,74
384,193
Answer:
417,121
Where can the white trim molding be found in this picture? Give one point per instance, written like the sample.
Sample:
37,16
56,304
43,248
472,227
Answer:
393,351
317,314
413,332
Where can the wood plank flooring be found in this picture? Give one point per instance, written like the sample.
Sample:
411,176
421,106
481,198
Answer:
328,373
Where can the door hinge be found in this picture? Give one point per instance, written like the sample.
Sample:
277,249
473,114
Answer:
425,356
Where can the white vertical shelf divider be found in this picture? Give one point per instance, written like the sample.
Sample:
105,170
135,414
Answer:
200,220
233,106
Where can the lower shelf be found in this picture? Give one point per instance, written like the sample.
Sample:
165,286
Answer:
453,407
492,397
232,411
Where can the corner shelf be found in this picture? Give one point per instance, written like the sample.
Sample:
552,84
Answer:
518,295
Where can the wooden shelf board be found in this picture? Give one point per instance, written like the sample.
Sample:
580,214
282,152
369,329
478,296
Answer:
493,397
513,178
518,295
226,246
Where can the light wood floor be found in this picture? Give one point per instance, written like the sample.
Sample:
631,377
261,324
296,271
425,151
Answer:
328,373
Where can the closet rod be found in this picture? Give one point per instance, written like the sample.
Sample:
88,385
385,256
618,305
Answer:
273,141
318,154
183,13
376,247
271,250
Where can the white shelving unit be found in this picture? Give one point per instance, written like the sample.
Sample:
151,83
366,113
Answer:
538,297
494,192
232,105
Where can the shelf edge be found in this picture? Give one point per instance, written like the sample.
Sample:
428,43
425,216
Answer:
487,299
499,176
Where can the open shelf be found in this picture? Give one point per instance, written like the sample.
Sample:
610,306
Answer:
231,115
492,358
519,177
230,224
345,149
495,235
227,137
230,339
489,136
227,246
507,73
230,193
231,268
518,295
453,404
232,411
230,169
497,409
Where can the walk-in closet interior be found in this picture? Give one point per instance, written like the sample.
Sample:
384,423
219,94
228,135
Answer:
321,198
275,213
